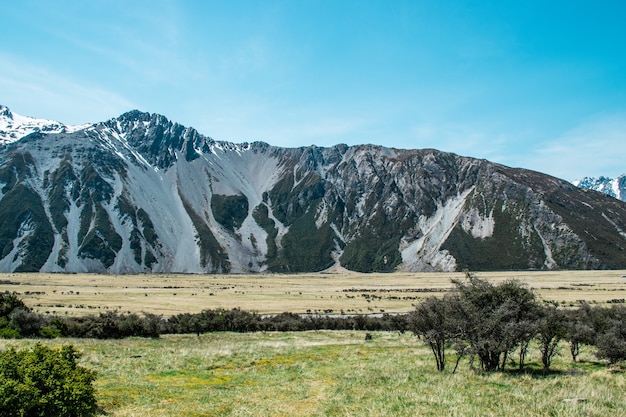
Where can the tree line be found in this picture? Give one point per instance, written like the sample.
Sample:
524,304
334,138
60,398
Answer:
17,320
497,323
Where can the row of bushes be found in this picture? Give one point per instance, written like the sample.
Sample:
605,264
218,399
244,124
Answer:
17,320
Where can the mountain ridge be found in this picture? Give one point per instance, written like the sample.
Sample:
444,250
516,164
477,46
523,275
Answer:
141,193
615,187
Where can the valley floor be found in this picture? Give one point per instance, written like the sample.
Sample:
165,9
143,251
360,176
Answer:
170,294
326,373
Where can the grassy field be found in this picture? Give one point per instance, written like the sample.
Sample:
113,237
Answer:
328,373
320,373
169,294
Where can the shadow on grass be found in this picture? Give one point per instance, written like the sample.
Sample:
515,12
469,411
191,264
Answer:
535,370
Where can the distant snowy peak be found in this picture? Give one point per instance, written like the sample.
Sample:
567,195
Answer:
615,187
14,126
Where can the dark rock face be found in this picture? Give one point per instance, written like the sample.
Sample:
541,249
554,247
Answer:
140,193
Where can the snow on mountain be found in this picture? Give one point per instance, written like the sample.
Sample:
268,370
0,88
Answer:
141,193
615,187
14,126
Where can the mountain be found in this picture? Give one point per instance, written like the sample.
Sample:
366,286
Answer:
14,127
615,187
140,193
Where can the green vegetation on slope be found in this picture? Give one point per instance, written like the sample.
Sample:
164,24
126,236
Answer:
376,248
211,253
22,212
261,216
100,241
229,210
507,249
305,247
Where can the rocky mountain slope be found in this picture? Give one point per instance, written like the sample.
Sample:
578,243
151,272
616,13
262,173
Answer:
141,193
615,187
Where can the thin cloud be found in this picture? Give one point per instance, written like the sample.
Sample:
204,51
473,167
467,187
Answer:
253,119
38,92
595,147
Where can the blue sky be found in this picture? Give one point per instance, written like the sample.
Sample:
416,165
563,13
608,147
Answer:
533,84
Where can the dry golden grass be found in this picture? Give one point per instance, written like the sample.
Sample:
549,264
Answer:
169,294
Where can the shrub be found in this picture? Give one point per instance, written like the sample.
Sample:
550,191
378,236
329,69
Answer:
9,333
9,302
431,321
551,329
579,325
26,322
45,382
494,319
17,320
611,342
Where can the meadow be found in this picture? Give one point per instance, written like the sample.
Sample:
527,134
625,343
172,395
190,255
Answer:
329,373
170,294
316,373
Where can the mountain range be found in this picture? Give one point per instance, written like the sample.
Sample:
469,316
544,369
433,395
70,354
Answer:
141,193
615,187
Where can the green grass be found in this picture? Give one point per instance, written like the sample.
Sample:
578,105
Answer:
329,374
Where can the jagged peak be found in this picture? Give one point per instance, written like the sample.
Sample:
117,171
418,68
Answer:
615,187
134,115
5,112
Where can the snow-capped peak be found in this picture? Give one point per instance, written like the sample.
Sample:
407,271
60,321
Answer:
615,187
13,126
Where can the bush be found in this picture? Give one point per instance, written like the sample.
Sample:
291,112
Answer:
611,342
45,382
493,319
26,322
17,320
109,325
9,302
9,333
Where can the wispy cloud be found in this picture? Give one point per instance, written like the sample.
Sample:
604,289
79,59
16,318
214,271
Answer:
40,92
251,118
595,147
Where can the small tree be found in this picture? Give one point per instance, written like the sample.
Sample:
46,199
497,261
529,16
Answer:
551,329
580,331
45,382
494,319
431,321
611,343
